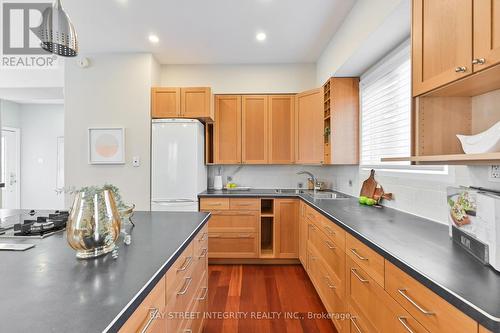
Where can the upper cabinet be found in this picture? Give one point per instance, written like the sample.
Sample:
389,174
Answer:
309,127
255,129
193,103
486,34
341,120
165,102
227,134
281,129
441,42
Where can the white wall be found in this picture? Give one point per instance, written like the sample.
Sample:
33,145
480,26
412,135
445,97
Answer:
287,78
113,92
10,114
41,124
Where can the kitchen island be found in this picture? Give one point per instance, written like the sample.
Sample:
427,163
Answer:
46,289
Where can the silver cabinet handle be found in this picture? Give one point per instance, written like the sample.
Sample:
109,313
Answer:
479,61
187,330
203,237
360,257
214,236
329,245
203,253
204,297
187,283
415,304
329,230
186,264
152,317
353,321
330,285
244,204
355,272
461,69
404,322
215,204
245,236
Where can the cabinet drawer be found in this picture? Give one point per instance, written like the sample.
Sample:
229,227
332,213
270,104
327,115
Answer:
201,241
179,270
214,204
246,204
233,245
433,312
329,228
331,254
234,221
358,323
143,317
366,258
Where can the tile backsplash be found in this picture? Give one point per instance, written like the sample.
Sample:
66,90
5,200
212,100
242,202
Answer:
419,194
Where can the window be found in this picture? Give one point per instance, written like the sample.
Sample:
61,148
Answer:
386,110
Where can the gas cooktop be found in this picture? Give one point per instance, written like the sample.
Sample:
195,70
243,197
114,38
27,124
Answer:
32,224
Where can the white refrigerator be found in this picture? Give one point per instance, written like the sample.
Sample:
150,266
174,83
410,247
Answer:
178,171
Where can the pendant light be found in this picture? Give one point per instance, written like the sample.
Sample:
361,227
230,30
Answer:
57,33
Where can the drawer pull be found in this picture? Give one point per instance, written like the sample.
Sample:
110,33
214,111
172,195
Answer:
353,321
186,264
187,283
244,204
152,317
203,237
310,216
404,322
213,236
205,293
329,230
245,236
312,226
360,257
215,204
415,304
355,272
330,245
203,253
328,283
187,330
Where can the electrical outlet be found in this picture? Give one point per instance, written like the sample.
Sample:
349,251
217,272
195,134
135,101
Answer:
494,174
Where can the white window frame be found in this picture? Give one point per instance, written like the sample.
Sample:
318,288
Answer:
374,73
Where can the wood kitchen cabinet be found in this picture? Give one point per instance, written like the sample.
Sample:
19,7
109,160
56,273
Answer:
227,132
281,129
286,217
309,127
303,226
486,34
441,42
255,129
177,102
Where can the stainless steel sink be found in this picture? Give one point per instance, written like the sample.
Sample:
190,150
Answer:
289,191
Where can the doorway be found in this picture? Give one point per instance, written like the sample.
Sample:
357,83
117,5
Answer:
11,167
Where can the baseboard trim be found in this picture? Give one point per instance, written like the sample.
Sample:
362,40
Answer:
257,261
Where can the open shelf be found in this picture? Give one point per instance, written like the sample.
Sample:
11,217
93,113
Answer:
209,143
487,159
267,236
267,207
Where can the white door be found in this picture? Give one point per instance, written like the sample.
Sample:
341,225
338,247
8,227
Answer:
11,166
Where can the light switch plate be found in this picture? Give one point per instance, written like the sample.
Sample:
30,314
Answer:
494,173
136,161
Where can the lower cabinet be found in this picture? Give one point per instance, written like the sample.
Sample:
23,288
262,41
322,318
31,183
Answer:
286,217
302,233
179,300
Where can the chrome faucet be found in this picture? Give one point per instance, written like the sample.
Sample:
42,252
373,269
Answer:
312,177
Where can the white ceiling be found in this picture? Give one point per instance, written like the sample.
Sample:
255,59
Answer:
209,31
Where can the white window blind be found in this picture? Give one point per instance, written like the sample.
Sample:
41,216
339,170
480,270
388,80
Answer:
386,109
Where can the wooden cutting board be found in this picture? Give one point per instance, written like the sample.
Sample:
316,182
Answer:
369,186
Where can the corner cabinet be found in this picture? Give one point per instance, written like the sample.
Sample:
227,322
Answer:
176,102
309,127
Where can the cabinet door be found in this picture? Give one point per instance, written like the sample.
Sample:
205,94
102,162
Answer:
303,228
309,127
281,129
286,215
196,103
254,129
486,33
165,102
441,42
227,148
344,121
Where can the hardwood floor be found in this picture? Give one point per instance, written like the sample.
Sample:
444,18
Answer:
256,298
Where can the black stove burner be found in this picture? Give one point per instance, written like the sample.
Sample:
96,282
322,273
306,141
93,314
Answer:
42,224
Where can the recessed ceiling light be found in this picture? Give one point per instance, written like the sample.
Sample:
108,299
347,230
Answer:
261,36
154,39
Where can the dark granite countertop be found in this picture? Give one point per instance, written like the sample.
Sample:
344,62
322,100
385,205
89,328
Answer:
46,289
420,247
